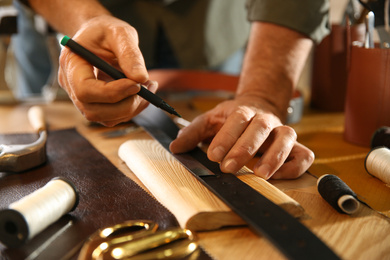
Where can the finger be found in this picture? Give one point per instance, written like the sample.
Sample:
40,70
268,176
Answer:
298,162
88,89
284,139
113,114
63,77
151,86
94,91
200,129
247,145
104,112
118,41
129,55
228,135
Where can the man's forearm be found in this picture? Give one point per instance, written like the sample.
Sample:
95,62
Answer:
67,16
273,64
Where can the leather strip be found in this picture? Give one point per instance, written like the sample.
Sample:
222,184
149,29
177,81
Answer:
264,217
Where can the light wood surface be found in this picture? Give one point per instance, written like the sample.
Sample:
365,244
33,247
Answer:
363,235
194,206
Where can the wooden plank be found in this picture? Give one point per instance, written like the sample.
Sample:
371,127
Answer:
193,204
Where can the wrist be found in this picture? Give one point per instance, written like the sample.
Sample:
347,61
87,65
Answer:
272,65
266,103
72,16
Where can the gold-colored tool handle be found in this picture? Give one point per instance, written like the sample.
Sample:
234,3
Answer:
36,117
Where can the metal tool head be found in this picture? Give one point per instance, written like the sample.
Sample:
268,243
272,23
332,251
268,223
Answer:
21,157
370,26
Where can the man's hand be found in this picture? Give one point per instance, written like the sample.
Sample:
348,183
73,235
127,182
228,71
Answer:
98,97
240,129
252,122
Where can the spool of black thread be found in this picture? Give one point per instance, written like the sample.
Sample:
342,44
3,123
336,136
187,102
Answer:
337,194
381,137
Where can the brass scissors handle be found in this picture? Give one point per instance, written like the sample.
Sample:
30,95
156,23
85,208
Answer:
138,239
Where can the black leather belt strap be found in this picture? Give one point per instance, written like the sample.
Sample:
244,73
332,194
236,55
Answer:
264,217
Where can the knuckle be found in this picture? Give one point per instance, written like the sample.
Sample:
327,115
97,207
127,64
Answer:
261,123
307,160
61,80
90,116
63,57
290,131
80,94
129,30
210,123
243,114
123,31
242,152
123,35
278,157
287,131
309,156
281,156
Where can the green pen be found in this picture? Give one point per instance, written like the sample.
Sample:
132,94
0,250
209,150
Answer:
114,73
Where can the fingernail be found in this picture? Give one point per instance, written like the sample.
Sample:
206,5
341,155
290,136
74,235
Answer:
218,153
230,166
263,171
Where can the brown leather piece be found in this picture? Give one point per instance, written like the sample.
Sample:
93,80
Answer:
107,196
368,94
330,68
180,80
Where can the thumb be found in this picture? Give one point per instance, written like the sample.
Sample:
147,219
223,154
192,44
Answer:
190,136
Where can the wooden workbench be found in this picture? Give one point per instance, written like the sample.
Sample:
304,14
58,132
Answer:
363,235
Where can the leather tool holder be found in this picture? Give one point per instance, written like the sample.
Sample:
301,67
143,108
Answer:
107,196
368,94
330,67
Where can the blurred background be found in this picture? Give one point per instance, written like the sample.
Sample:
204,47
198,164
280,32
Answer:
30,74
